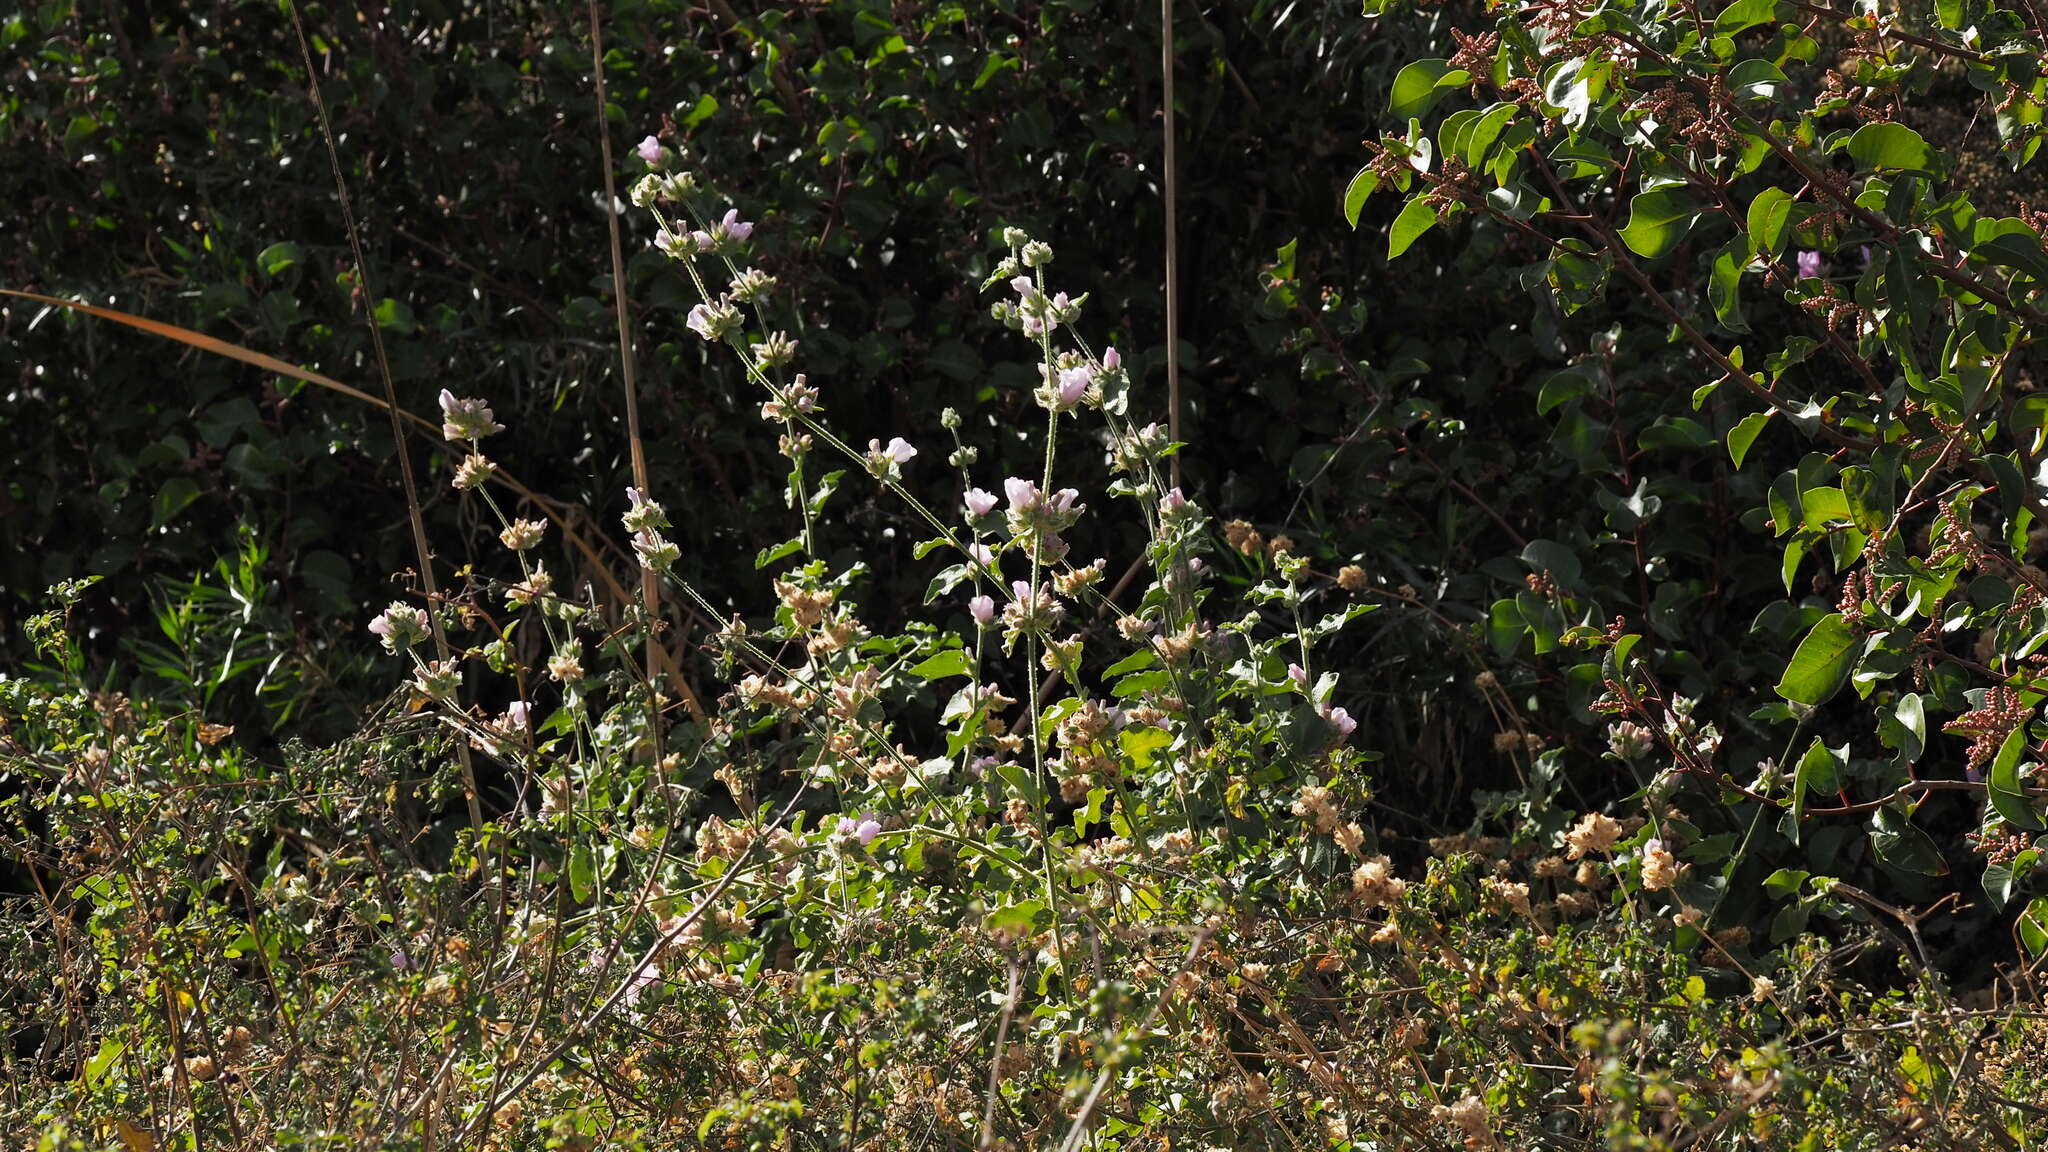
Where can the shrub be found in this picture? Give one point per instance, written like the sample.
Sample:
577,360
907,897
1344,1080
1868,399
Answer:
1044,856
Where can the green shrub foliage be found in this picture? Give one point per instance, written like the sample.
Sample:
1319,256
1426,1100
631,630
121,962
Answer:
1569,684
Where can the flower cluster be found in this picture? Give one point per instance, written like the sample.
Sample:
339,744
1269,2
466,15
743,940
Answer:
400,626
645,520
465,419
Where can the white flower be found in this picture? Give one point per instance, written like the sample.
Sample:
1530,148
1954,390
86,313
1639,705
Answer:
521,535
713,321
400,626
645,515
1659,869
473,472
886,461
566,665
466,419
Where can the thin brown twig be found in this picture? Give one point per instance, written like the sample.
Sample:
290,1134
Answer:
650,584
1172,190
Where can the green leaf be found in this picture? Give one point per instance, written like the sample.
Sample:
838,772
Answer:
2002,879
1755,80
1658,220
2033,927
1785,882
1821,663
1554,558
1137,661
1416,218
1505,627
1675,432
1488,129
948,578
1890,147
1578,280
582,872
1141,741
1905,729
1356,194
1869,499
1900,844
2008,795
279,256
1562,386
110,1051
395,315
1745,433
767,556
174,497
1724,284
1745,14
1019,919
1823,506
1820,770
952,662
1418,85
702,110
2012,250
1770,218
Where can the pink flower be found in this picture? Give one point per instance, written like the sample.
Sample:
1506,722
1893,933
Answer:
1111,359
651,151
1299,675
981,554
400,626
1020,590
1074,385
980,503
736,229
466,419
899,450
864,829
1172,502
1341,721
1024,286
1063,500
517,713
983,609
1022,493
1810,263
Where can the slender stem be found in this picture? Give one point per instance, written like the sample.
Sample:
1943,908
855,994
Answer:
398,439
1172,241
650,585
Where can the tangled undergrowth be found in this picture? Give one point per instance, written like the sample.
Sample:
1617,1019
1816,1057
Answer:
866,902
228,954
